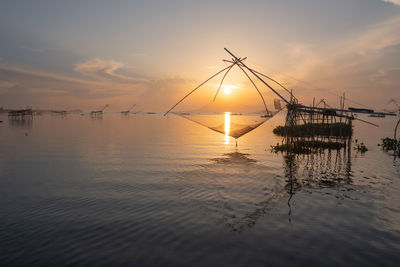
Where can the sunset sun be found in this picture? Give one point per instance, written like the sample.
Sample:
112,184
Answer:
227,89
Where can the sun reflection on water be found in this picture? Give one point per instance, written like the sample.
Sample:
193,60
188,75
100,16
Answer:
227,126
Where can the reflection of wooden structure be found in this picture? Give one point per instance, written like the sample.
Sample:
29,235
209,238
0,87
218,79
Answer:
126,112
20,113
318,170
24,122
98,113
21,118
239,201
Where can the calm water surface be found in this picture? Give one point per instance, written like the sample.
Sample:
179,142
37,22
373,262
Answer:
148,190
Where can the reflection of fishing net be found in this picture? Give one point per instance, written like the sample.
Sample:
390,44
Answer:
232,112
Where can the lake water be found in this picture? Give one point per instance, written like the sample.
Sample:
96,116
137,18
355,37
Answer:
148,190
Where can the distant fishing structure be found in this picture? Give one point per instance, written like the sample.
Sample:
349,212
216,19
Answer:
20,113
98,113
306,127
126,112
396,104
60,112
21,118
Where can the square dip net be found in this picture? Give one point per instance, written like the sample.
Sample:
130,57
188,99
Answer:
232,110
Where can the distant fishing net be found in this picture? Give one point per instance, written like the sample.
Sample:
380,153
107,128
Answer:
232,110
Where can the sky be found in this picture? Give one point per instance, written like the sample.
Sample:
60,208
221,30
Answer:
84,54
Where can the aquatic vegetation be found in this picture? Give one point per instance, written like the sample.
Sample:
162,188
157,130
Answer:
306,146
390,144
361,147
316,129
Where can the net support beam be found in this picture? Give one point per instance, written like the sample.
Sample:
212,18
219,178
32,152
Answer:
258,77
197,88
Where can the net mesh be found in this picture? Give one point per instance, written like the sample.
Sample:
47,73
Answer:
227,123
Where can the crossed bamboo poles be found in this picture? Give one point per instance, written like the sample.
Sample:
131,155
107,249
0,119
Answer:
239,62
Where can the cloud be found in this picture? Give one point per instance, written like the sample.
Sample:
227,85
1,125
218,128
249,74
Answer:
162,93
380,36
298,50
20,87
25,87
365,66
396,2
19,76
5,86
106,70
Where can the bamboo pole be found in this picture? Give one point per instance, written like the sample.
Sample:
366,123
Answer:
223,78
196,89
265,105
255,74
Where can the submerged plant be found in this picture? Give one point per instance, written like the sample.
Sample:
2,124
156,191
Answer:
304,146
361,147
310,129
390,144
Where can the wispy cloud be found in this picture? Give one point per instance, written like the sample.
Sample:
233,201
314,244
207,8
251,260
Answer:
106,70
25,87
366,66
396,2
5,86
382,35
22,87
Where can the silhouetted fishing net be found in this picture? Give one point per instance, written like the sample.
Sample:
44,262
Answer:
225,115
234,108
